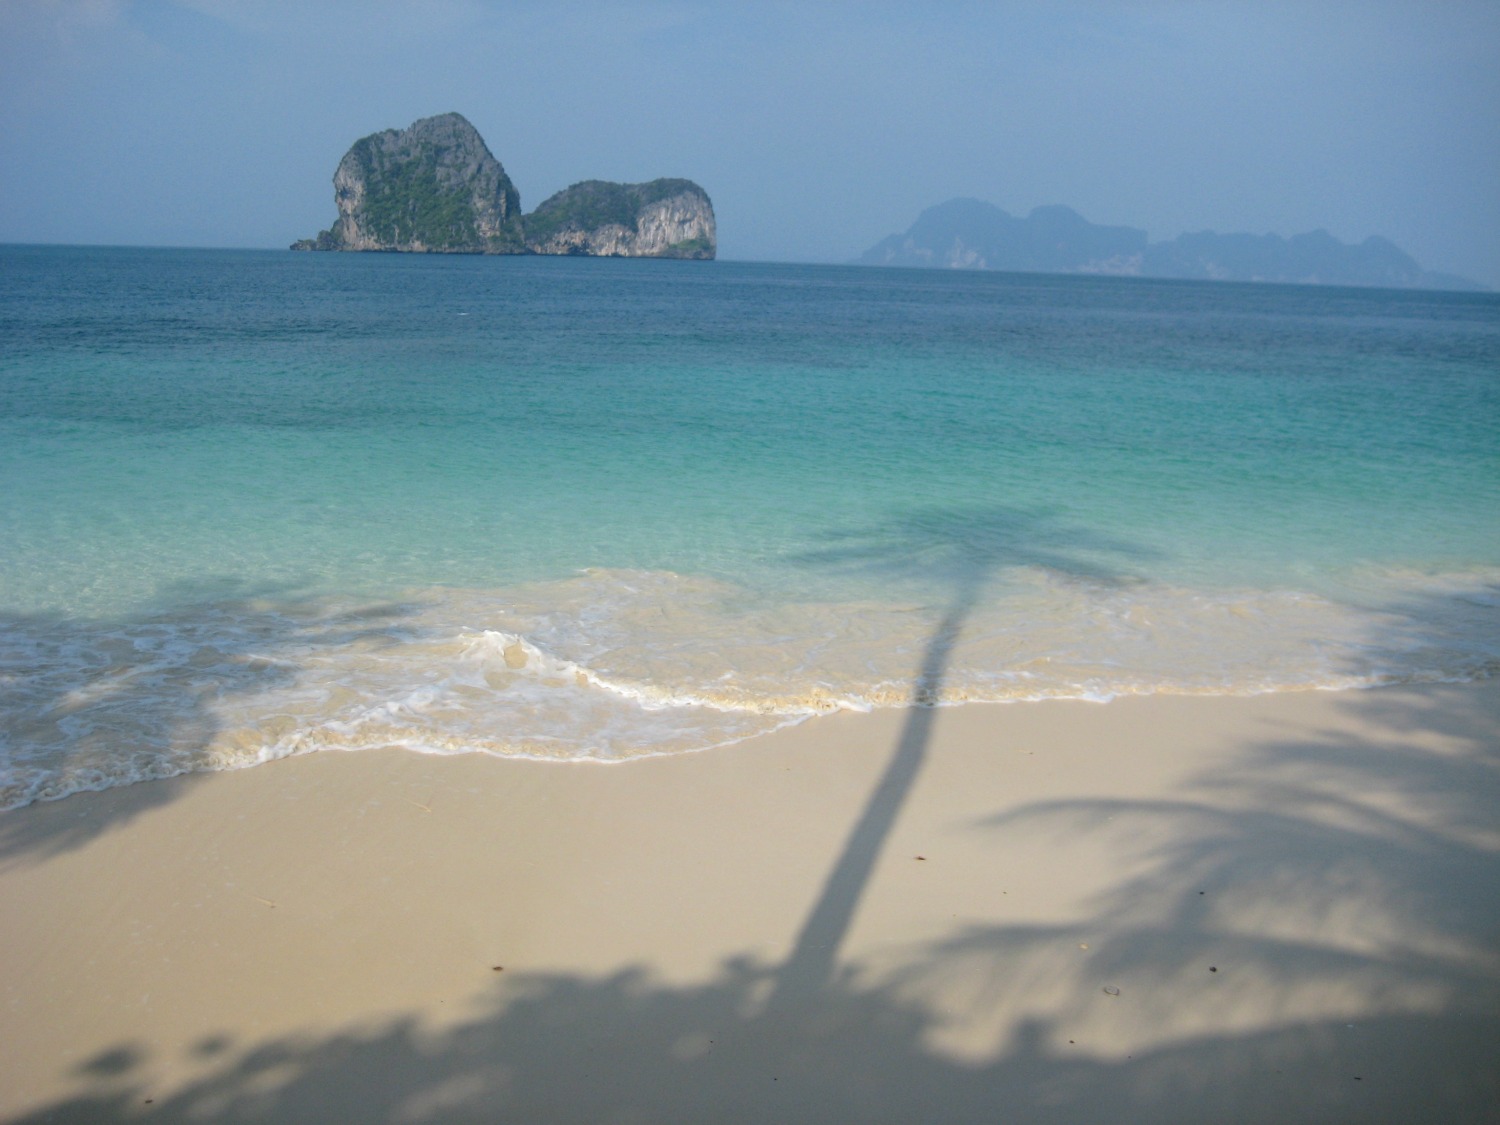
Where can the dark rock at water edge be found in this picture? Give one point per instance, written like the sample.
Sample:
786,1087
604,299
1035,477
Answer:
972,234
436,188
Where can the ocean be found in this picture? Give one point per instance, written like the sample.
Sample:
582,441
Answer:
257,503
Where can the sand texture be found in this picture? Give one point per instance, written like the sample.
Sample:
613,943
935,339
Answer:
1278,908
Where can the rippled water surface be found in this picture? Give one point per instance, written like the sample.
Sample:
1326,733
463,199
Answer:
256,503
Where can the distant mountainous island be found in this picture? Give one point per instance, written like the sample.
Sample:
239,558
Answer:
435,188
972,234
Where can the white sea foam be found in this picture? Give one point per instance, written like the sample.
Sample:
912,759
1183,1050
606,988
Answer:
613,665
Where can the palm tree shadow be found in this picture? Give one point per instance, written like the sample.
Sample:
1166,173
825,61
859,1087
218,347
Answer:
1335,869
962,550
1249,870
94,704
626,1048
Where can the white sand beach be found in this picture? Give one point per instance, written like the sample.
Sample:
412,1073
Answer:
1272,908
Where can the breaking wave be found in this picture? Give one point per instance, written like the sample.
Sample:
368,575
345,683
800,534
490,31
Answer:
615,665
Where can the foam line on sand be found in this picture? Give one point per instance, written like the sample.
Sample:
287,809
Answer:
1196,909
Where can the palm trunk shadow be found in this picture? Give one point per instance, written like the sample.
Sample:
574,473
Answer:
810,966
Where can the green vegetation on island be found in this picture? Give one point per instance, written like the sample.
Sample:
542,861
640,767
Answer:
598,217
435,188
411,200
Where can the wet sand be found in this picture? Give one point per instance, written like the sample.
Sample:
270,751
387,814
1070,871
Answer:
1276,908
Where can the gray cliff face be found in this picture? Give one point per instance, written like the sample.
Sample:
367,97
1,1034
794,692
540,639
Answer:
436,188
660,219
433,187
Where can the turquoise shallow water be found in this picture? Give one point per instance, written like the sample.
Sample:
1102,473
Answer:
255,503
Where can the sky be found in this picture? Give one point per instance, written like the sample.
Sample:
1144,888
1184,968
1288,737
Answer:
816,128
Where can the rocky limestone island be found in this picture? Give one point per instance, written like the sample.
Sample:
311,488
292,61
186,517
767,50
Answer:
973,234
436,188
662,219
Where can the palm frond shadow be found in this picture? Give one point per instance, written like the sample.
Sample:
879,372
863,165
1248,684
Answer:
1350,934
110,701
1320,871
1256,872
962,550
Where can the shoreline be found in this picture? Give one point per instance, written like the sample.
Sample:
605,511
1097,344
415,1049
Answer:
907,913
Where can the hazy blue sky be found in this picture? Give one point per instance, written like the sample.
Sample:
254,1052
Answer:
817,128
